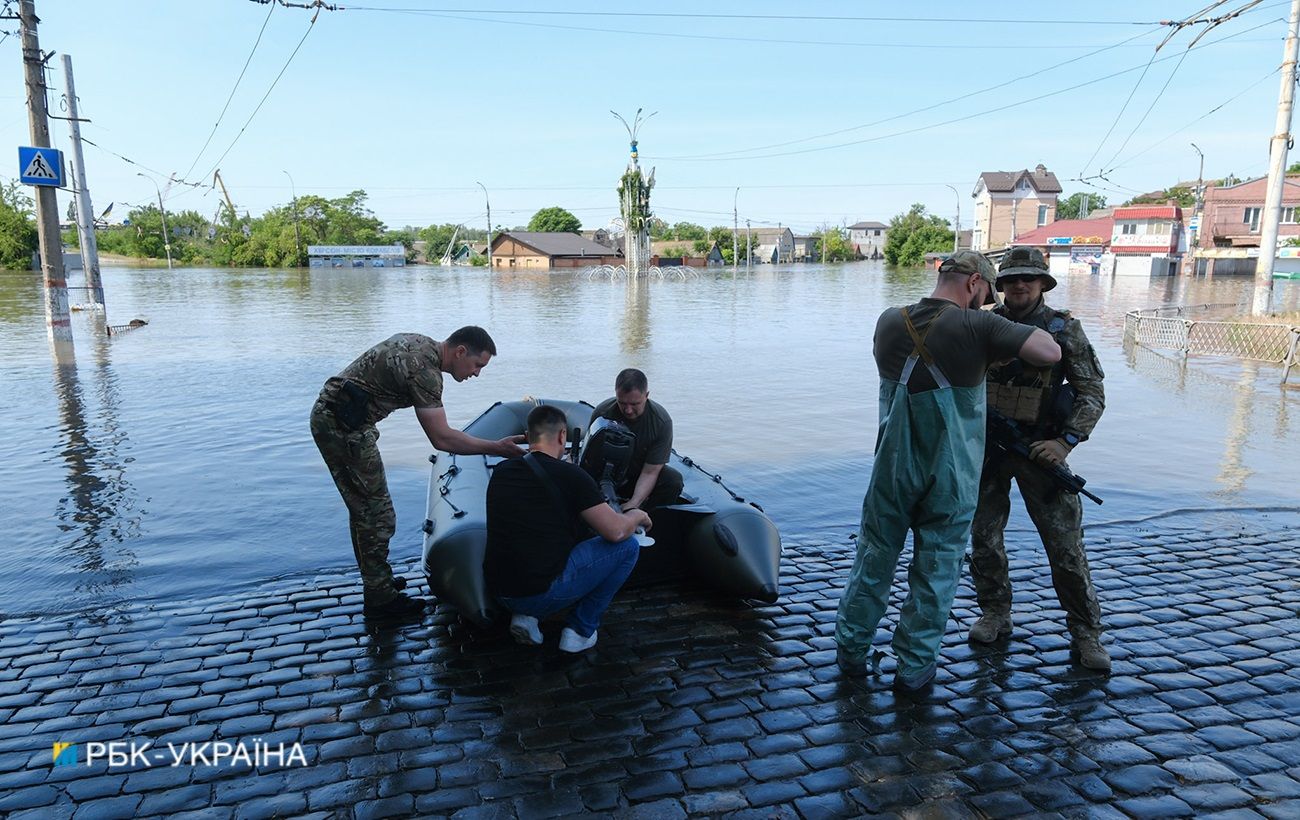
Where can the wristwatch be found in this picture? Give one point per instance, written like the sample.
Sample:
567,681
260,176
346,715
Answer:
1070,439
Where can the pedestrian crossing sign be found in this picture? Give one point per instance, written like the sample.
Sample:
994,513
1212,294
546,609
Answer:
40,166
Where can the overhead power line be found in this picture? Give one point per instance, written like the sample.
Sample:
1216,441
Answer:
231,96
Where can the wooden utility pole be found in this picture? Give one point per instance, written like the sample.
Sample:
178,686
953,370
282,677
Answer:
85,212
1263,301
58,320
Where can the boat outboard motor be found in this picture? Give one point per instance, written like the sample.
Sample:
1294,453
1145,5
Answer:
607,454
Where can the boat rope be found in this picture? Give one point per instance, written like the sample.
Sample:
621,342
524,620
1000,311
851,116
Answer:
445,489
717,479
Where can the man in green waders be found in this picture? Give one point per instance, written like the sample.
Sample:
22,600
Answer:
929,453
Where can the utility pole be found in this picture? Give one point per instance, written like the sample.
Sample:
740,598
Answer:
58,320
297,235
85,212
735,230
1085,206
488,202
1195,238
956,226
167,237
1263,301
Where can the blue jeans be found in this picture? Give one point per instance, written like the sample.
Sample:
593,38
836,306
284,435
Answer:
595,571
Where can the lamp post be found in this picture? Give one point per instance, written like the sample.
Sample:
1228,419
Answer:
1195,238
167,237
297,235
735,230
488,203
956,228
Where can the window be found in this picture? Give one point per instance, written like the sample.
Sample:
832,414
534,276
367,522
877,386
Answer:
1289,215
1160,229
1042,215
1128,228
877,232
1251,218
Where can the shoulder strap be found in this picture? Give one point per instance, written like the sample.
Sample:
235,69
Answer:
919,351
549,483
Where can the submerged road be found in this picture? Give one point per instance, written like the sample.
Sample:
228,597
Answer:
688,705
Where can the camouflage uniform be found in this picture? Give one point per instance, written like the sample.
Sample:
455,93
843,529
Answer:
402,371
1057,515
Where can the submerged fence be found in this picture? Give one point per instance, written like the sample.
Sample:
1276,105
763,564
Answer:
1214,330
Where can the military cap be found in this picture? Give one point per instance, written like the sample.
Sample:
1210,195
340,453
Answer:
1025,262
969,262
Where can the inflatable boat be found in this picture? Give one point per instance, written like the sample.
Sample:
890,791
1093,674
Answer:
711,534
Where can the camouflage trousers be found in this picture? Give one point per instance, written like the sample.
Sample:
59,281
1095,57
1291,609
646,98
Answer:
1058,517
358,472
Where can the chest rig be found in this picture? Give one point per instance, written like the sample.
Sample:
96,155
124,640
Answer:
1025,393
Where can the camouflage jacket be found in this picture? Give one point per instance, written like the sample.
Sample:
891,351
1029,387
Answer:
1078,367
404,370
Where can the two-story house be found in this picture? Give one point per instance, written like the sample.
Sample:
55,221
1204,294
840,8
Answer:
1230,223
1010,203
1146,240
868,239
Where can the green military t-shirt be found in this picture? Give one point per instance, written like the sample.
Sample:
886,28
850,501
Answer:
963,343
404,370
653,430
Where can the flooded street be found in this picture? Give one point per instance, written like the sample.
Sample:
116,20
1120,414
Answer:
174,461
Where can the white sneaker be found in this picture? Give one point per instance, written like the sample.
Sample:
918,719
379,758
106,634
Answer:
571,641
523,628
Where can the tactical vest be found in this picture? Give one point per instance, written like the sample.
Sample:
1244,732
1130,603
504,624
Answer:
1025,393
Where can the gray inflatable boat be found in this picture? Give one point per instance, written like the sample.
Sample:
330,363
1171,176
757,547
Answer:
711,535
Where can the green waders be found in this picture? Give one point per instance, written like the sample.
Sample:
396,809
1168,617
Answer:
929,451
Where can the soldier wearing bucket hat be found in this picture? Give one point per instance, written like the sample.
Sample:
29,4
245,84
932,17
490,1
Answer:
931,357
1059,404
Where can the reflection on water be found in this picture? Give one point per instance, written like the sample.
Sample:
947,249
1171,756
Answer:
767,372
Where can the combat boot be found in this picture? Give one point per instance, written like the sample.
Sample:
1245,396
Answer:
1087,651
991,626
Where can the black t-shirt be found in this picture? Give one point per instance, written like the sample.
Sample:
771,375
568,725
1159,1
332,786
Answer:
653,430
528,538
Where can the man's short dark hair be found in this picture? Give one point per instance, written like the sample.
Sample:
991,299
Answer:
630,379
544,421
475,339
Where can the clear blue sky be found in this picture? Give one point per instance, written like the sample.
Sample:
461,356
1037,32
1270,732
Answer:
415,107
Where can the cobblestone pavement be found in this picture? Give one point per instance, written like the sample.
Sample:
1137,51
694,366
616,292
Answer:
688,705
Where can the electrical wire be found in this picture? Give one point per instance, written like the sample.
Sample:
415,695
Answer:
1147,113
231,96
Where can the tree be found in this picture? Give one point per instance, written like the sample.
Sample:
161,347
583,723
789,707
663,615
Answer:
832,245
1293,168
437,238
689,231
18,238
1182,195
914,234
554,220
1072,206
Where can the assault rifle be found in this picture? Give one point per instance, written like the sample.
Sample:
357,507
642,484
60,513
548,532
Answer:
1007,435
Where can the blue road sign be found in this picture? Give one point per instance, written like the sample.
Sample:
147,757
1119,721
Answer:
40,166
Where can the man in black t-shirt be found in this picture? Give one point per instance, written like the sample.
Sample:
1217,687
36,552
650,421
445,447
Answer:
649,482
537,561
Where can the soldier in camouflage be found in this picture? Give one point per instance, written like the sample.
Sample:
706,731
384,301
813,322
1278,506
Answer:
1038,399
402,371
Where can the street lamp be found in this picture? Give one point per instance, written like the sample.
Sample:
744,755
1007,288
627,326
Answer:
735,230
956,228
488,203
167,237
297,236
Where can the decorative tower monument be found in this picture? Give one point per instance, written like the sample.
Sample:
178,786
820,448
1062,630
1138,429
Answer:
634,205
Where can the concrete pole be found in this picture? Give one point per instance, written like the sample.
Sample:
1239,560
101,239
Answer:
1195,238
735,230
956,226
488,202
749,245
85,211
58,319
297,234
1263,301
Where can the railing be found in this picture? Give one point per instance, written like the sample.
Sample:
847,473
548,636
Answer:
1220,333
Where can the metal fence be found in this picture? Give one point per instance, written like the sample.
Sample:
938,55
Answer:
1214,330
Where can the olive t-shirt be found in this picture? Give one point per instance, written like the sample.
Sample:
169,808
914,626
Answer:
404,370
653,430
963,343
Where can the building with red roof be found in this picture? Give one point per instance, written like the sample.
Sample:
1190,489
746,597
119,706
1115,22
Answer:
1147,240
1072,245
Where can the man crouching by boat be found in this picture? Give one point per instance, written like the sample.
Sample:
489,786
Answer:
539,559
650,482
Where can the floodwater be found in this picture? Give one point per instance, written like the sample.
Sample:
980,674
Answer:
175,461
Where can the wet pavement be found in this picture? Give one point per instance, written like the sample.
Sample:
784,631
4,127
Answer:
689,705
